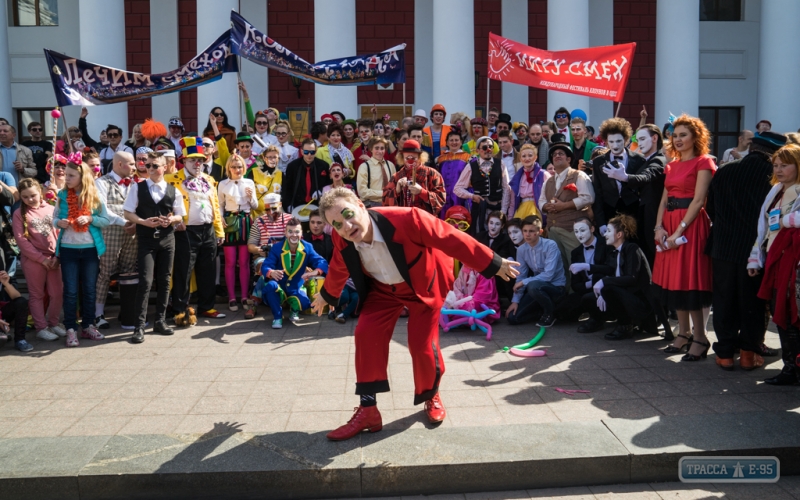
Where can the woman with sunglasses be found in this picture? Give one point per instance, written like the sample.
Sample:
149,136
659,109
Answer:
237,197
225,128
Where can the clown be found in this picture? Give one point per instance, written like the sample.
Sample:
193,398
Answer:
514,230
286,269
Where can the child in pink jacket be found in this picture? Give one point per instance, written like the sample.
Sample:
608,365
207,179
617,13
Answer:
36,238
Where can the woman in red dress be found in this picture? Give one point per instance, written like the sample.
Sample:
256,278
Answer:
683,270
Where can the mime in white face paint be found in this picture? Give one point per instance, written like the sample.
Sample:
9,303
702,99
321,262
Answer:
515,234
610,235
645,142
494,226
616,143
583,232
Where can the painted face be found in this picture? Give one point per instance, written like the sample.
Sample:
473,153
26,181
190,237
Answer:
583,232
420,120
272,159
477,130
336,173
293,234
335,139
245,148
527,157
645,142
494,225
515,234
327,121
616,142
192,166
350,220
365,133
610,235
522,133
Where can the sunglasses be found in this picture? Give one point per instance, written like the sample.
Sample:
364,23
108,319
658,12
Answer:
114,134
561,115
281,134
307,152
208,144
486,148
462,225
219,114
151,165
36,129
262,123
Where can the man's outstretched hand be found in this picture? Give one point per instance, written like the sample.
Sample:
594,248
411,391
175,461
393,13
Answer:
508,270
318,306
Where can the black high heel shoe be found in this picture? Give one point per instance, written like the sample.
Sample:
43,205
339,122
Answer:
692,357
677,350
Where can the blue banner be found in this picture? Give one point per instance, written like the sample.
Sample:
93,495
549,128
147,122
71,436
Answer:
82,83
382,68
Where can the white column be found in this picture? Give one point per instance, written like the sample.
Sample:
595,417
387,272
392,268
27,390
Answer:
514,26
5,69
567,29
677,59
601,32
334,37
102,40
164,54
214,18
254,76
454,75
423,56
779,65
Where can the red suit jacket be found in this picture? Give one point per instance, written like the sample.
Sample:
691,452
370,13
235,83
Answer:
422,247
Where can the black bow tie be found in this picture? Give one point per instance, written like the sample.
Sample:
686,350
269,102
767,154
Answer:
619,157
506,155
589,247
615,252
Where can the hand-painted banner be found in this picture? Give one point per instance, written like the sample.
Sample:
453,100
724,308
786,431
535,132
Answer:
83,83
382,68
600,72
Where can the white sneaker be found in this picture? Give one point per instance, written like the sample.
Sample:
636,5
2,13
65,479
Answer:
59,330
101,323
46,334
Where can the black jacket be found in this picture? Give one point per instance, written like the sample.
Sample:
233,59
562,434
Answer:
502,245
635,275
606,194
293,187
323,247
597,270
649,181
735,196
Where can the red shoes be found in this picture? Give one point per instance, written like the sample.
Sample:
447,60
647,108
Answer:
365,418
435,409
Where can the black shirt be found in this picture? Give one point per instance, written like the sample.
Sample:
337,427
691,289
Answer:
40,150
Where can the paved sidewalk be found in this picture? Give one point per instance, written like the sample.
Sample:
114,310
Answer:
302,378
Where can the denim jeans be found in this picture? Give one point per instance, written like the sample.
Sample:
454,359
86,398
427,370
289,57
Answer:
539,300
348,301
79,268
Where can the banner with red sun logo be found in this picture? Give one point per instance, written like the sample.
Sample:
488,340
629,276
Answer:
600,72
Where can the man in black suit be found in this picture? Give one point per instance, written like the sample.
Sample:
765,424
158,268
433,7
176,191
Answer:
497,239
623,293
304,178
210,165
612,196
735,196
648,181
322,243
587,260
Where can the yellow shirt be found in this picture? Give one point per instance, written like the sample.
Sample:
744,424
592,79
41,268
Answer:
265,183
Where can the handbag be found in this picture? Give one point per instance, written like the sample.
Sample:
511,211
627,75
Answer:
8,233
232,223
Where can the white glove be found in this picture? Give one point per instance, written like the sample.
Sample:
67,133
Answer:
597,287
576,268
316,195
589,284
603,231
615,173
450,299
601,303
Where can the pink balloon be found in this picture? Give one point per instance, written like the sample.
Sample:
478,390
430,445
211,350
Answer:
528,353
55,113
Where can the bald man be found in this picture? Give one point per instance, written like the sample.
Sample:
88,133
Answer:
119,236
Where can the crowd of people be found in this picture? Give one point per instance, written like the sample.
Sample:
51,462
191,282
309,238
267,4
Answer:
625,226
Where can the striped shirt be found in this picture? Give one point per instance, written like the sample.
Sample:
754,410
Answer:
266,231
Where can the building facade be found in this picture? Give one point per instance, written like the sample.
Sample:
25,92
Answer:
734,62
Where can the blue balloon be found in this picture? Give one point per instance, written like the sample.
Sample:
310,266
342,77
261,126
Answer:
578,113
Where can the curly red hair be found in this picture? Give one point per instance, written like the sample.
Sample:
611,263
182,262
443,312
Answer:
700,135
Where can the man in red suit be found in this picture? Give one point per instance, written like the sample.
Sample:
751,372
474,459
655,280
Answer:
397,257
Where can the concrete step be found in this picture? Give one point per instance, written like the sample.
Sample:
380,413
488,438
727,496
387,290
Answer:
228,464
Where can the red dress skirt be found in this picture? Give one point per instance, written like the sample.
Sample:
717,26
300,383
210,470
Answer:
684,274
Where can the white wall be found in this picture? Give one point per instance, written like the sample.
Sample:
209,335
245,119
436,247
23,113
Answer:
729,63
30,78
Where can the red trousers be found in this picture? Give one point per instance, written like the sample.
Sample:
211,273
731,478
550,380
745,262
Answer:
379,315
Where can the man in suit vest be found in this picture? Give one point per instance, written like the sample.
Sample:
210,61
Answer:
567,196
154,209
119,236
648,180
489,182
613,196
